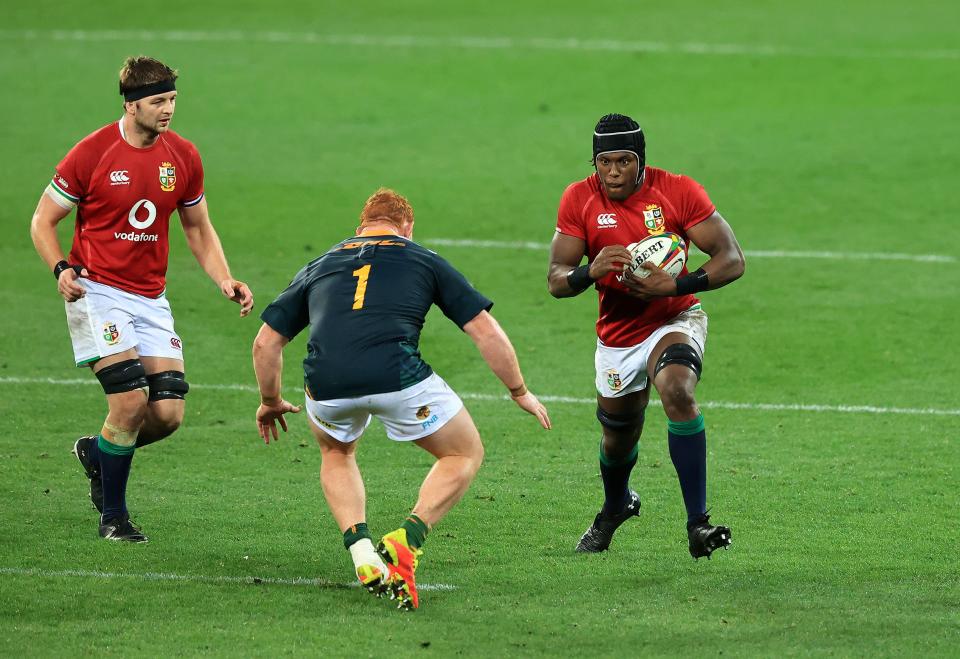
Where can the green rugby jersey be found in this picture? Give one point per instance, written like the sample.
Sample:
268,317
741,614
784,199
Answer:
365,302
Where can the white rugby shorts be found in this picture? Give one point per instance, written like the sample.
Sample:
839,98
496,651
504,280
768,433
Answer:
107,321
412,413
622,371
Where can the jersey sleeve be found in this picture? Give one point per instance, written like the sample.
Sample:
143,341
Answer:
193,193
569,218
71,177
289,314
457,298
695,204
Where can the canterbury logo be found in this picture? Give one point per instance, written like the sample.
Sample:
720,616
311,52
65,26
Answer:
607,220
119,176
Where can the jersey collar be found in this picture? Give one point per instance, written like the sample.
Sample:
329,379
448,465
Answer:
378,232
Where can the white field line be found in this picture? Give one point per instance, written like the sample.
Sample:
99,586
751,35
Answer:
476,43
715,405
776,254
195,578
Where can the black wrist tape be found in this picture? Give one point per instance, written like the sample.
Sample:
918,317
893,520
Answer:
58,268
579,278
63,265
693,282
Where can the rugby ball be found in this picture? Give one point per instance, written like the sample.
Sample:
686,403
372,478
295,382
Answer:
667,251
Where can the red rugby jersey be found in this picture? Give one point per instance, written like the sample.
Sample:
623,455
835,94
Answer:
665,202
124,198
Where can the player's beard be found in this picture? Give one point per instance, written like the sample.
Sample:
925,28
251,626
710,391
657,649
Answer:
154,129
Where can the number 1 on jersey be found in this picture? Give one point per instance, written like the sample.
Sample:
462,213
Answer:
361,274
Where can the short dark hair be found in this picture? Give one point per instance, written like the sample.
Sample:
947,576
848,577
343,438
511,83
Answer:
141,71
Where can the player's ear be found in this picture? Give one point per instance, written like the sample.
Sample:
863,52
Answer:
359,229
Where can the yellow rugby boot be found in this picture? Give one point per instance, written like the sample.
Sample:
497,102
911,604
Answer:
402,560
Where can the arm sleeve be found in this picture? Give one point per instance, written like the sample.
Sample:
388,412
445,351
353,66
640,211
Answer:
457,298
193,192
569,218
289,314
695,203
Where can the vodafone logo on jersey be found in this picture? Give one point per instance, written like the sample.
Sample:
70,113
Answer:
607,221
120,177
142,209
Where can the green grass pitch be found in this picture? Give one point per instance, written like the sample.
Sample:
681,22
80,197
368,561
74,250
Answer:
830,384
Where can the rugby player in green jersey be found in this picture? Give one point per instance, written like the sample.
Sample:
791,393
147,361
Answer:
364,303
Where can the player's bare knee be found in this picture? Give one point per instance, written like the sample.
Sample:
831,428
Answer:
678,399
475,457
127,410
164,427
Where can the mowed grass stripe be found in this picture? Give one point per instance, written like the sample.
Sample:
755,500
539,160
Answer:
194,578
715,405
761,253
478,43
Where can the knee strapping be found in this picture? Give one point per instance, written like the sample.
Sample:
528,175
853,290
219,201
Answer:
123,376
119,436
683,354
620,422
167,385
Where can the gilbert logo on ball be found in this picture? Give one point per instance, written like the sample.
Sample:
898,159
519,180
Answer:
667,251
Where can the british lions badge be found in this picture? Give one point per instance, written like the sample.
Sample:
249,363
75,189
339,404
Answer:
653,219
111,335
168,176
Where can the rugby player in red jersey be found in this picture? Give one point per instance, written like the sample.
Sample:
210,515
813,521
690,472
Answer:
650,330
125,180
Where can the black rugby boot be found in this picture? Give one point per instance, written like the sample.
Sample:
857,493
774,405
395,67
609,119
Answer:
91,467
597,538
120,528
706,538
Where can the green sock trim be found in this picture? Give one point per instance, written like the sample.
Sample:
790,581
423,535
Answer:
355,533
113,449
609,462
691,427
416,530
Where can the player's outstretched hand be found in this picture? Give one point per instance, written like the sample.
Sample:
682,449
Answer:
657,283
267,415
239,293
68,286
529,403
612,258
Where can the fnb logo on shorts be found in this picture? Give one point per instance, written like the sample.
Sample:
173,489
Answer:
119,177
607,220
175,342
429,422
325,424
